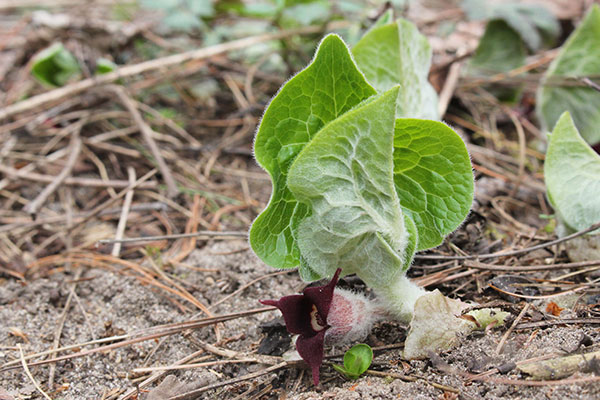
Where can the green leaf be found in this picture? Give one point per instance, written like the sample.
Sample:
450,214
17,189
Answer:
104,66
309,13
397,54
578,57
345,174
201,8
356,361
535,24
358,358
182,20
55,65
259,9
488,316
500,50
384,19
160,4
433,178
572,175
329,87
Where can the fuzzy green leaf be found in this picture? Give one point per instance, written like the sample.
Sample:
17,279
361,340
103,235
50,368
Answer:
578,58
345,174
329,87
572,175
433,178
397,54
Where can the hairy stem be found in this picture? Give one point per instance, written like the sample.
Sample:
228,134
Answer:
399,296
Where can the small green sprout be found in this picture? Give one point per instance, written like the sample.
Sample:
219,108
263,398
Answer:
356,361
55,65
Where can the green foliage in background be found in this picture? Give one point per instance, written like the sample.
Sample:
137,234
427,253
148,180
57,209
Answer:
579,58
535,24
184,15
572,176
513,28
55,66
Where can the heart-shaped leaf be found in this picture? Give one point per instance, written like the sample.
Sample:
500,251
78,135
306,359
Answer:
397,54
433,178
329,87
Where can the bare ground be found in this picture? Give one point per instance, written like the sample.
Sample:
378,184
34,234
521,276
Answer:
58,289
111,304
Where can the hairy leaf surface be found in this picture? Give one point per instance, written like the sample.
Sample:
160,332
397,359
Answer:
578,58
433,178
345,174
572,175
397,54
329,87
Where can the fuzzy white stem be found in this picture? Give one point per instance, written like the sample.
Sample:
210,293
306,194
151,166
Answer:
399,296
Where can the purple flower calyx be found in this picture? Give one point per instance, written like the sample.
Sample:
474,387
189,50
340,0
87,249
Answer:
306,315
325,314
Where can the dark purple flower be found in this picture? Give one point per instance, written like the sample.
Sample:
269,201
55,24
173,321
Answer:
306,315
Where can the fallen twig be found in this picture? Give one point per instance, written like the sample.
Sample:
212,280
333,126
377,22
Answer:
530,268
569,321
210,234
511,329
410,378
513,252
124,213
194,393
74,150
134,337
28,373
159,63
147,132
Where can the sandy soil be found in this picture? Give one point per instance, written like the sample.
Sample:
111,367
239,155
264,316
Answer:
108,304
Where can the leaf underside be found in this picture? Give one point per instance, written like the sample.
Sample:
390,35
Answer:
345,174
397,54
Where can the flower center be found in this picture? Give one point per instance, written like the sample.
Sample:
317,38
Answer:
316,322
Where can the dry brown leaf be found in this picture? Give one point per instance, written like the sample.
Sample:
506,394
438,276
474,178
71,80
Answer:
554,309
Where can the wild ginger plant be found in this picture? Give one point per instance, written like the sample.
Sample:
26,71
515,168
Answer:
360,185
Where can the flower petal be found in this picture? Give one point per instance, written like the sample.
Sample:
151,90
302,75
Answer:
296,311
311,351
321,296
